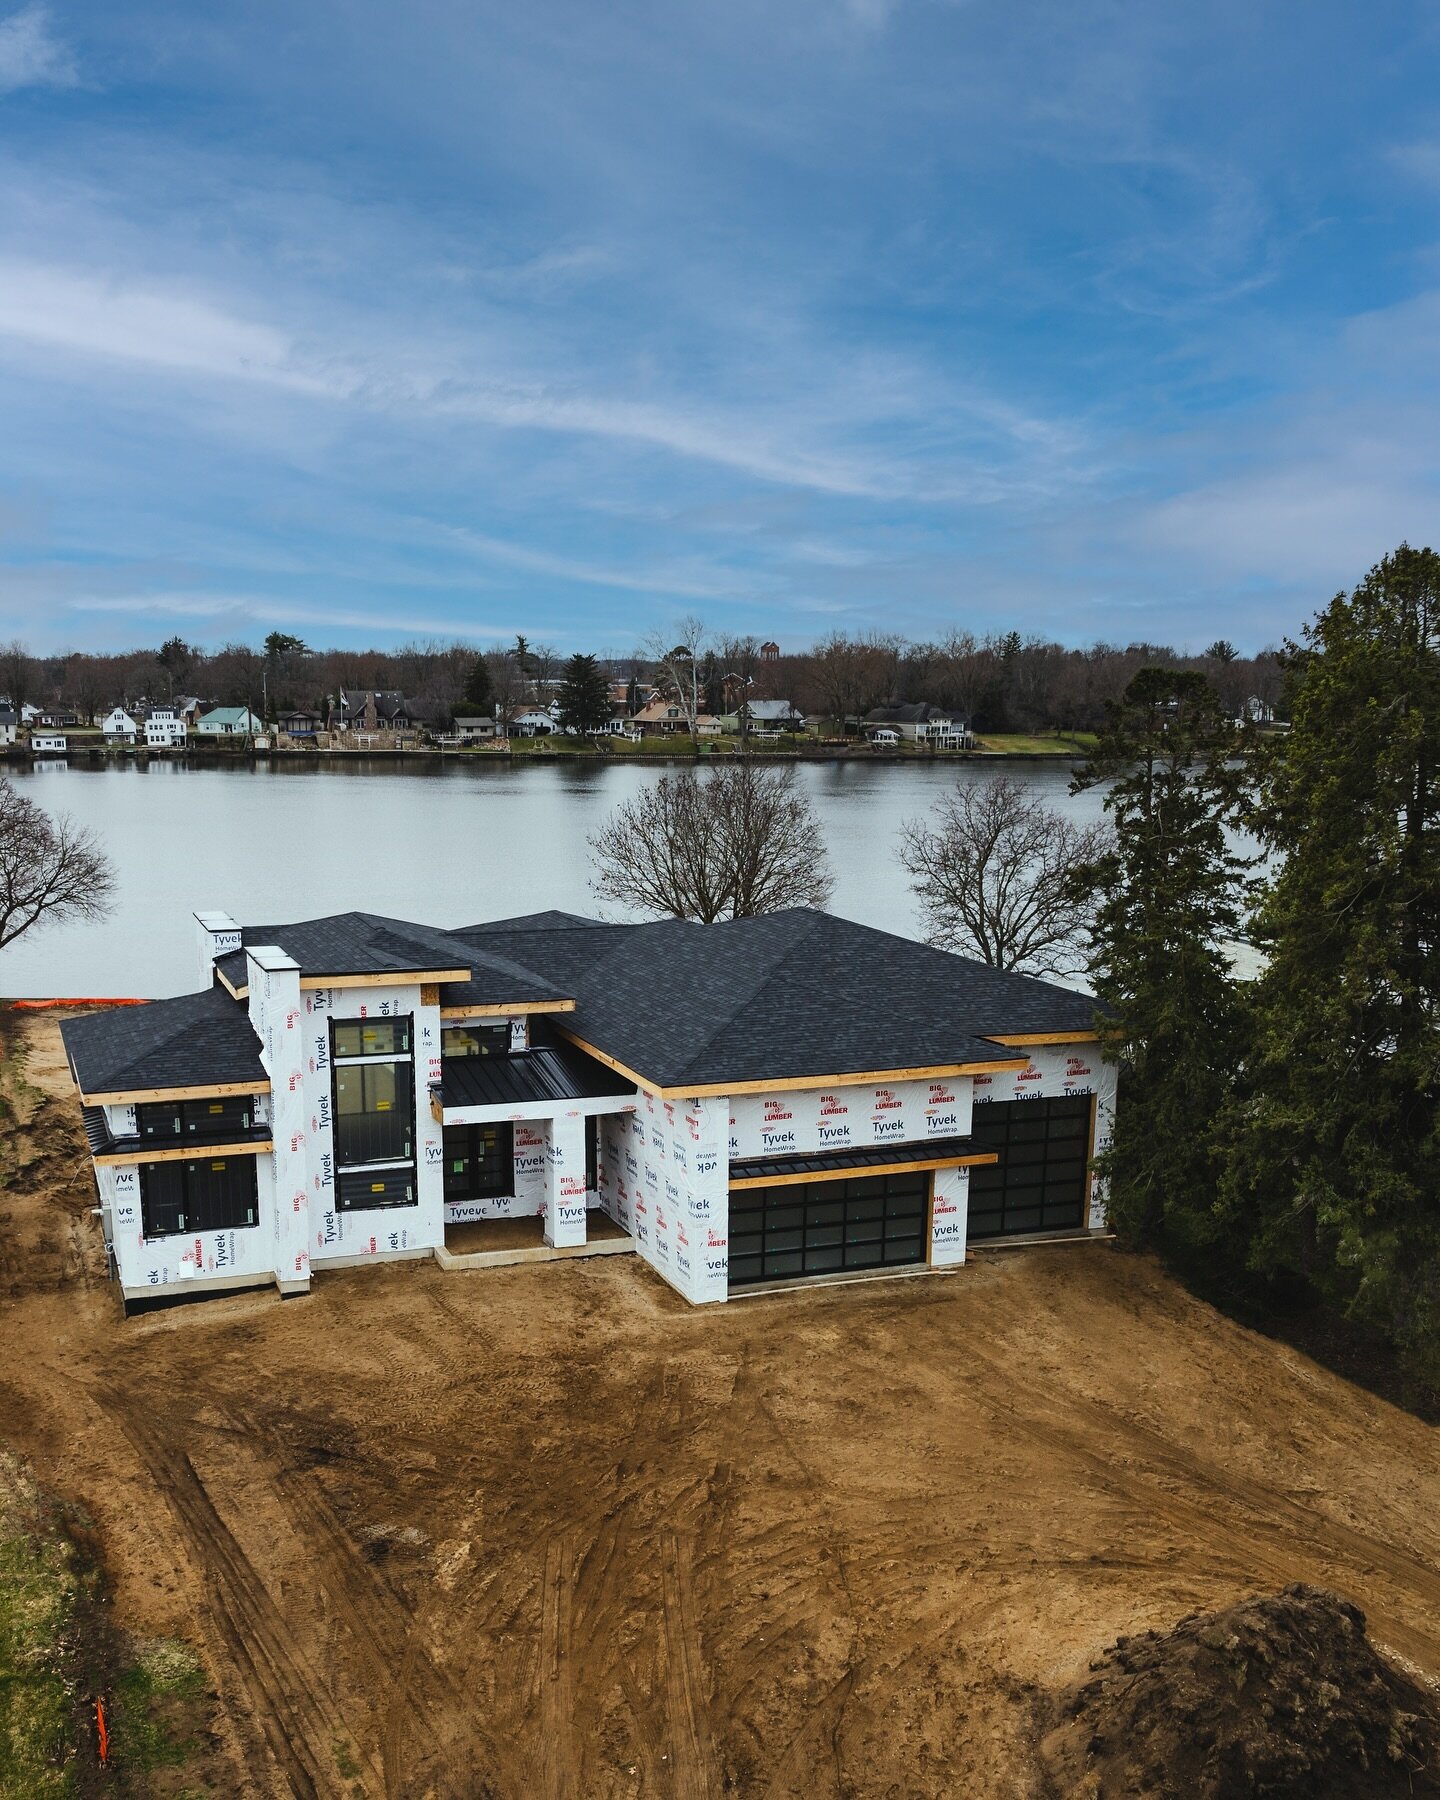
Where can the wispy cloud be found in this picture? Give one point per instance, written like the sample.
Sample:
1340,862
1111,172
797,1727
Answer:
31,55
266,609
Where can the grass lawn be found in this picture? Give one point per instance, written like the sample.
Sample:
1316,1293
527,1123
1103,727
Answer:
39,1594
1078,743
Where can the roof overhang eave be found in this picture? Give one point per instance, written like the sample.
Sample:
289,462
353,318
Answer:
688,1090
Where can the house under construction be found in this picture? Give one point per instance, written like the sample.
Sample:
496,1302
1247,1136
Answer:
766,1101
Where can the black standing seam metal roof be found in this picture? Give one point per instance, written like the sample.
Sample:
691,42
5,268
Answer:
197,1040
859,1156
542,1076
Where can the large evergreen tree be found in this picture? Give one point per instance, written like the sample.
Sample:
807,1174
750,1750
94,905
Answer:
584,696
1166,896
1334,1161
479,691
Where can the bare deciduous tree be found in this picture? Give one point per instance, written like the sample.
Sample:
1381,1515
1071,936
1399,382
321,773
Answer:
676,656
994,871
728,844
50,869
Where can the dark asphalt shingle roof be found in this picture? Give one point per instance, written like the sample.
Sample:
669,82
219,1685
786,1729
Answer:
793,994
359,943
198,1040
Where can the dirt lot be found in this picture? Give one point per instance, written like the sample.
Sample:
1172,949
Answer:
548,1531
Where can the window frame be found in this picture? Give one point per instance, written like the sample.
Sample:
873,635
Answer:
505,1179
179,1170
391,1166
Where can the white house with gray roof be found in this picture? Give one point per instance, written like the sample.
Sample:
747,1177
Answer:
356,1089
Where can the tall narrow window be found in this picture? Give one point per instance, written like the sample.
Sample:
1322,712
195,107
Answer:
374,1113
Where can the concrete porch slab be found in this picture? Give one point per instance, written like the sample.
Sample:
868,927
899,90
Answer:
497,1243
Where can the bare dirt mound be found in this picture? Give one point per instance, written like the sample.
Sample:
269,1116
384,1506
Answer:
1281,1696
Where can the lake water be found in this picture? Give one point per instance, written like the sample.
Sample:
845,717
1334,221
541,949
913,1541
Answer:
446,845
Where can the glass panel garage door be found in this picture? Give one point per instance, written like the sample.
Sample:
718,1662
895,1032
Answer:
1039,1183
826,1227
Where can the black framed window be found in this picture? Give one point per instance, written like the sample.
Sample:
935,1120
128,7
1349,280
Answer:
361,1190
374,1112
479,1161
373,1083
475,1038
212,1193
225,1117
371,1037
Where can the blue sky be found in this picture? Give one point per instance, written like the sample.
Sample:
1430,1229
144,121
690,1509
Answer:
375,322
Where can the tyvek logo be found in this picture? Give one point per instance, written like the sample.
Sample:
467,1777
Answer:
946,1231
938,1123
889,1128
777,1140
717,1267
434,1153
682,1263
706,1164
834,1134
672,1192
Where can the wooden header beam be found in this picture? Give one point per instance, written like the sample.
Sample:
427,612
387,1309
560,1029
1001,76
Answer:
217,1090
1022,1038
186,1153
505,1010
891,1168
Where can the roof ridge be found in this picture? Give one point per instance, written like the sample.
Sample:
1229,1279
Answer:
811,918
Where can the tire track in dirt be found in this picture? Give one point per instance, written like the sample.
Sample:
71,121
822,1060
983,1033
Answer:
296,1710
1267,1520
691,1757
559,1771
404,1683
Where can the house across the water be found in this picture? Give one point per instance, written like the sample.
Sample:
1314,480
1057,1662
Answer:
358,1088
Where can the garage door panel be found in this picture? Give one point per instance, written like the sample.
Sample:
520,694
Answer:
873,1222
1039,1182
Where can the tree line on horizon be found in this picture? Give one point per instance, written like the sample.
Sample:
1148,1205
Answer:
997,682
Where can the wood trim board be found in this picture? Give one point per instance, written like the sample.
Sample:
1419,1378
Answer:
857,1174
187,1153
215,1090
792,1083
